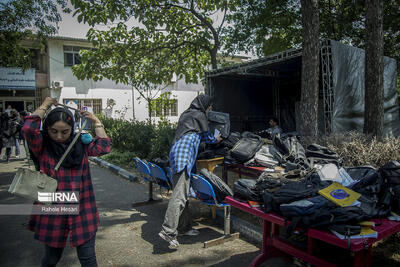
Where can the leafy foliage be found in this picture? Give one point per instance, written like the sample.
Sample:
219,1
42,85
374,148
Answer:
180,37
163,138
265,27
143,139
269,26
24,20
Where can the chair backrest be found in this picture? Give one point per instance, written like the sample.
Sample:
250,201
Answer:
157,172
201,185
141,166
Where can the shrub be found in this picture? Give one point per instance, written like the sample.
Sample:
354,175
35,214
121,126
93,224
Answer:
162,140
120,158
142,139
356,149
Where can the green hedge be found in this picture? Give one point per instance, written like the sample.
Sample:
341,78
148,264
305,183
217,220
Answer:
141,139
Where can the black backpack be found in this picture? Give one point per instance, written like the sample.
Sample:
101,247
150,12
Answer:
369,181
221,189
232,139
245,189
220,121
391,175
246,147
293,191
326,217
391,172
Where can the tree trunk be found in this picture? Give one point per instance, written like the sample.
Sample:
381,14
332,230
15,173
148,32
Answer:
149,109
310,69
373,115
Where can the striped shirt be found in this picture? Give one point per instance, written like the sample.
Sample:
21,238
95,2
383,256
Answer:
184,151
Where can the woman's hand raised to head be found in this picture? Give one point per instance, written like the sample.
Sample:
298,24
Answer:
98,126
48,101
90,116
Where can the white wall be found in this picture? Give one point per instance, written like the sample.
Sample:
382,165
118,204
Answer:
184,100
122,94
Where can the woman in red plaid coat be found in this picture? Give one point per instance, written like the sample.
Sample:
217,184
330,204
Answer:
47,146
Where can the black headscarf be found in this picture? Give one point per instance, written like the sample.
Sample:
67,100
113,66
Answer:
75,156
194,119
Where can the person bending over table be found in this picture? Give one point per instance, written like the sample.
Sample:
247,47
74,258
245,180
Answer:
192,129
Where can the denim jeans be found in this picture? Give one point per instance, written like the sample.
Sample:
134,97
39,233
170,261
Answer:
17,147
86,254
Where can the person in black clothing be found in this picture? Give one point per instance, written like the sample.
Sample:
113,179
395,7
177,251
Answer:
9,129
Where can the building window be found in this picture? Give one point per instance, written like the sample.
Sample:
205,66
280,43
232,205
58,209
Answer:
71,55
95,104
164,108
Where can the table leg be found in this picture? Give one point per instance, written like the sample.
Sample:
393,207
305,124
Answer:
363,258
263,256
225,173
214,212
310,245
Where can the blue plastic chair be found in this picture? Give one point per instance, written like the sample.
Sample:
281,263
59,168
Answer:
205,193
144,170
160,177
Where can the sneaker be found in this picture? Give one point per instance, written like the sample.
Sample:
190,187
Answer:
192,232
173,243
17,156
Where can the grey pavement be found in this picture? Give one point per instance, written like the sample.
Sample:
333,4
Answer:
127,236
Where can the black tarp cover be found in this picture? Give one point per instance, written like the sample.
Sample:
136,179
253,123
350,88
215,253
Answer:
348,86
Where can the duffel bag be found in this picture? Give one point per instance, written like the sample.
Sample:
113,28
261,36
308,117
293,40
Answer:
246,147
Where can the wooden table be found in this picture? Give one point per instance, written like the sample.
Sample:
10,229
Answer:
273,246
240,169
209,164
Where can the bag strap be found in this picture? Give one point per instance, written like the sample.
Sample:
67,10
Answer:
70,146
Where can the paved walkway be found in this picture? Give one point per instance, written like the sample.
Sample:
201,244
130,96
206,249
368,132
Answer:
127,236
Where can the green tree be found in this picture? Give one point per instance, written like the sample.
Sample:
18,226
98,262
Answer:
22,21
264,27
181,37
269,26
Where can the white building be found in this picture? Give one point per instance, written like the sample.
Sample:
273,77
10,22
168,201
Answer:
53,77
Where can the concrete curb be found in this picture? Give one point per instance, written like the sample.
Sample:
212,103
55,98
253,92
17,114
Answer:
116,169
246,229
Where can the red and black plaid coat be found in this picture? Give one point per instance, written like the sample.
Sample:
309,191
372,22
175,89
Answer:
53,230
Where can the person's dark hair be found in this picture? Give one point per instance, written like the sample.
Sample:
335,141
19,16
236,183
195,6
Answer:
58,114
23,113
275,119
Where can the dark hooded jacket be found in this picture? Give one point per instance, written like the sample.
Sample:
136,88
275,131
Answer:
194,119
